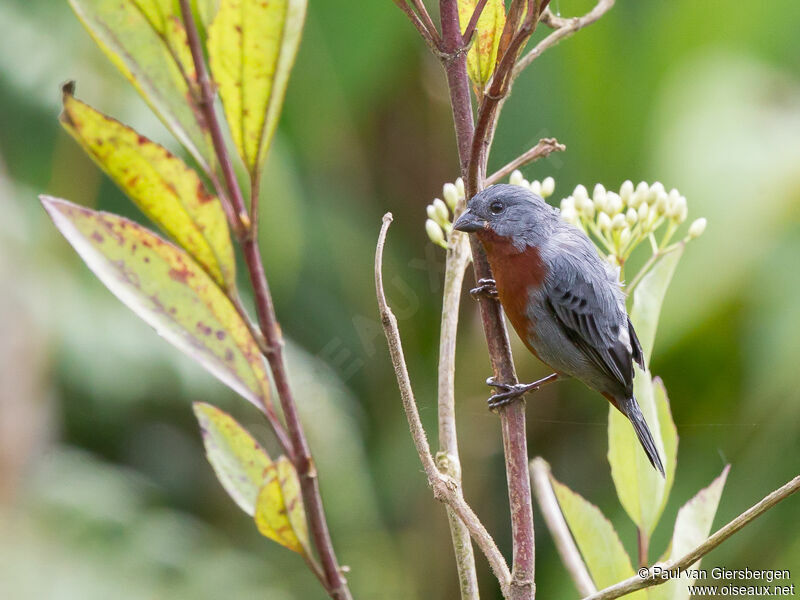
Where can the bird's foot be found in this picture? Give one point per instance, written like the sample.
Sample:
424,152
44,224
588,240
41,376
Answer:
511,392
486,287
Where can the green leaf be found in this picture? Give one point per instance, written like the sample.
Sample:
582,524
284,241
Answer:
692,527
640,488
482,55
252,45
162,186
595,537
169,291
238,460
207,9
146,40
648,296
293,497
669,437
272,518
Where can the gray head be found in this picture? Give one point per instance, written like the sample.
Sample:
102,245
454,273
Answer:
509,211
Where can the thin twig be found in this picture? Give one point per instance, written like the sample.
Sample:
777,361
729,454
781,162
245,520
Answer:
553,517
454,60
296,446
206,103
567,28
544,148
445,489
637,583
431,37
426,18
473,21
458,257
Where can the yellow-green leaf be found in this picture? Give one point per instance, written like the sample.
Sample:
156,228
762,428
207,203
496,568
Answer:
482,56
669,437
272,517
596,539
146,40
639,486
692,526
161,185
238,460
648,296
251,47
169,291
292,496
207,10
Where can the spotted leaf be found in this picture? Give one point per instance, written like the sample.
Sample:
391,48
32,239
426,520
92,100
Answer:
482,55
146,41
252,46
169,291
239,462
161,185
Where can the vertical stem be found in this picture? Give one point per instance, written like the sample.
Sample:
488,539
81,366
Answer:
643,541
300,454
447,459
473,147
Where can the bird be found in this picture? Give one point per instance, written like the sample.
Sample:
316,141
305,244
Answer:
564,301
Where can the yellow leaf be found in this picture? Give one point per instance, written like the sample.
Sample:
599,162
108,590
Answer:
251,47
482,56
272,517
238,460
161,185
146,41
292,495
169,291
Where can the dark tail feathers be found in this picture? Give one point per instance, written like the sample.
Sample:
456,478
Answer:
630,408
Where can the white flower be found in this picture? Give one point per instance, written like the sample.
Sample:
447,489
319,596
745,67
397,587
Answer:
460,187
644,210
568,202
657,189
434,232
697,227
626,190
442,214
569,215
618,222
548,186
535,187
580,193
585,205
624,237
613,203
631,216
516,177
450,193
599,192
603,221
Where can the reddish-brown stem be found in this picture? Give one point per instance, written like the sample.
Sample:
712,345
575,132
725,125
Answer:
297,446
471,143
454,60
473,21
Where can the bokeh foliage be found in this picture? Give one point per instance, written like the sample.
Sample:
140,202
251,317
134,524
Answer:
103,478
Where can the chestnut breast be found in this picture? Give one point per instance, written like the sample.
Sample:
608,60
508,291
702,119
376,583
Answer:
517,274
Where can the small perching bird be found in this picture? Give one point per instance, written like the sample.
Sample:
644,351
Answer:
563,300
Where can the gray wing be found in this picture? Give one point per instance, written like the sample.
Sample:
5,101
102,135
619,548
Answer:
588,306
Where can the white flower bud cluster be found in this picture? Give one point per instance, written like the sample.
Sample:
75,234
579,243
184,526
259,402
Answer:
439,223
542,188
620,220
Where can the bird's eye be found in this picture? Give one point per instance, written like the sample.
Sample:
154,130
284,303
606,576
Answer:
496,207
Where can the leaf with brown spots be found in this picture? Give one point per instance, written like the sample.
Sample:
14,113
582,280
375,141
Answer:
169,291
482,55
272,515
292,495
146,41
162,186
251,48
237,459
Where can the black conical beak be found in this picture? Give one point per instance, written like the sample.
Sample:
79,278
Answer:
468,222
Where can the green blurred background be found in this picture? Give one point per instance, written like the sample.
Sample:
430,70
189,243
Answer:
104,488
